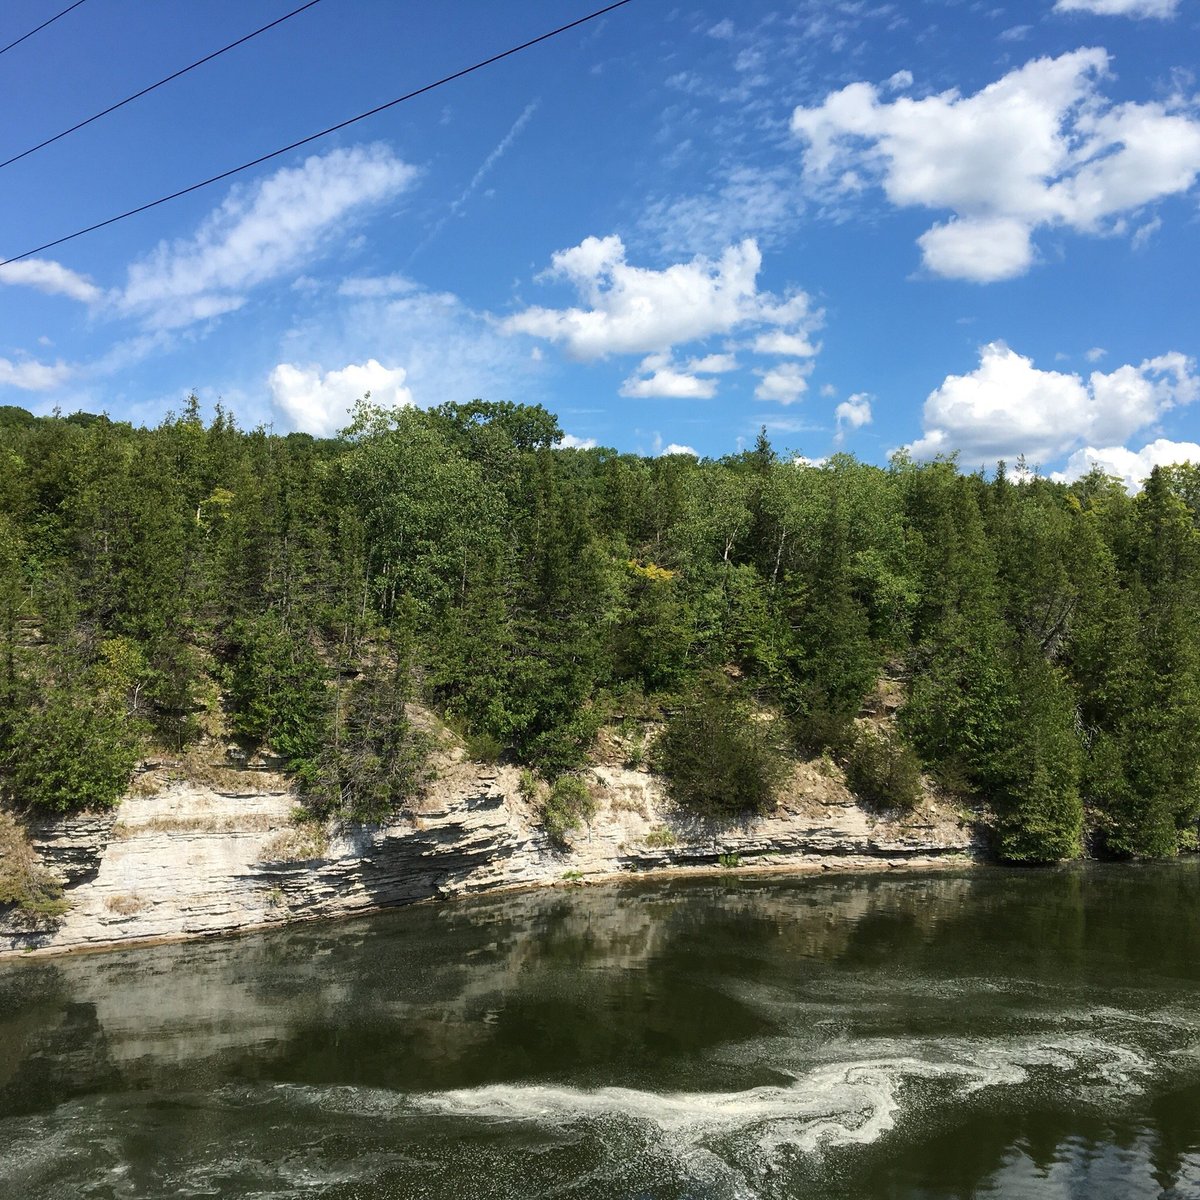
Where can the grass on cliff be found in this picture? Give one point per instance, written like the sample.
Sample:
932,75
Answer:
23,881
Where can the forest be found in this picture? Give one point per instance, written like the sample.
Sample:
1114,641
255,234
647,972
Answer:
160,587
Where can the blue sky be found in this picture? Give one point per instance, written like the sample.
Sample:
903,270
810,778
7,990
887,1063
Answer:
943,226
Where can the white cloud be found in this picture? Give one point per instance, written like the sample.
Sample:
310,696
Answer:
1007,407
852,414
260,233
1120,8
777,341
786,382
318,403
1095,354
569,441
373,286
449,351
1130,466
1039,148
742,201
676,448
50,277
658,376
713,364
31,376
1143,233
979,249
632,310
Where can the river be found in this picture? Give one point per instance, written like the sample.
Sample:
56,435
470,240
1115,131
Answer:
990,1033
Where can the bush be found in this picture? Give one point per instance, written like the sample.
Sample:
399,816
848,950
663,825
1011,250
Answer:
719,757
569,804
484,748
883,770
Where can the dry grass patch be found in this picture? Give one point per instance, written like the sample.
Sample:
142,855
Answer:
243,823
24,882
299,843
125,906
628,801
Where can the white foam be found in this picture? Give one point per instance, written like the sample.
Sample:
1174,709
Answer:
834,1103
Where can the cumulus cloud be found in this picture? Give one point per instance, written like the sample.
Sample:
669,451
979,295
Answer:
713,364
1120,8
318,403
658,376
636,310
853,413
786,382
676,448
31,376
1039,148
50,277
777,341
1007,407
569,441
260,233
449,350
1130,466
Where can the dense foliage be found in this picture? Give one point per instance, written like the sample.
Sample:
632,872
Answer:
162,585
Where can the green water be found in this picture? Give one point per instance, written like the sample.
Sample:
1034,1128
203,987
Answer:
1012,1034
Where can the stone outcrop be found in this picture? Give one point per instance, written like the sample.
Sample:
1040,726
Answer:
189,860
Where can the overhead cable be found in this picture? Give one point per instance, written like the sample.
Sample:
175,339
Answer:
152,87
26,36
312,137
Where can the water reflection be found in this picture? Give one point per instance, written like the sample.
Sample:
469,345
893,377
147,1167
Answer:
996,1033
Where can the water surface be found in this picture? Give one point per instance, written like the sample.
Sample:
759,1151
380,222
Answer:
1007,1034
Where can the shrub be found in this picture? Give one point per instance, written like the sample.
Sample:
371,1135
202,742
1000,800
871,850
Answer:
569,803
527,785
484,748
718,757
883,770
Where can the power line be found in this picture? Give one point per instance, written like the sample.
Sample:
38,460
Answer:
147,90
312,137
25,36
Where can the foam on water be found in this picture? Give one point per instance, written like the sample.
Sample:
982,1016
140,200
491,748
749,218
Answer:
839,1094
835,1103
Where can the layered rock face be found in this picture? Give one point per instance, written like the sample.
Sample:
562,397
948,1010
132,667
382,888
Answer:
190,860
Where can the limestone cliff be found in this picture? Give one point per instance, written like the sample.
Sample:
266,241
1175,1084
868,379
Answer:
185,859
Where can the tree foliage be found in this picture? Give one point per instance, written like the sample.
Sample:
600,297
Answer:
196,579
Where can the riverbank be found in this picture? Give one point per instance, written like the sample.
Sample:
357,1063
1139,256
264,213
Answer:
181,859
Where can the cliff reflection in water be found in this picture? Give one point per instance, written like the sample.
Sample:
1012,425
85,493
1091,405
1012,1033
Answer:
901,1035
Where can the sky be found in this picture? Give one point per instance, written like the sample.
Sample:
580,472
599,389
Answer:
930,226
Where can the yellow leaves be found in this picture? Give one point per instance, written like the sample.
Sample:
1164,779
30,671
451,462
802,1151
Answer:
215,507
650,571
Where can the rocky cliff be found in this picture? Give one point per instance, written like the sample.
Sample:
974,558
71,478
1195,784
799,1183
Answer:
184,859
